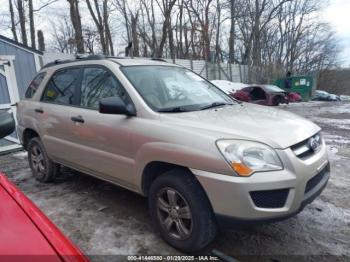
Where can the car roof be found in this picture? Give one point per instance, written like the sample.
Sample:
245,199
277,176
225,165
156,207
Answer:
140,61
81,60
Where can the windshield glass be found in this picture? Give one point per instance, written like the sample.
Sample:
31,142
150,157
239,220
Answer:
272,88
167,88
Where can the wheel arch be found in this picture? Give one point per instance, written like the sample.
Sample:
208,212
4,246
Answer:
28,134
156,168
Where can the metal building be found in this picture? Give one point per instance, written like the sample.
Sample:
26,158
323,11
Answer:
18,66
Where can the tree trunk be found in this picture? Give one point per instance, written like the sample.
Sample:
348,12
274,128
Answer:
166,24
31,23
76,22
108,35
135,40
180,44
13,24
41,40
171,40
99,24
22,22
232,33
217,42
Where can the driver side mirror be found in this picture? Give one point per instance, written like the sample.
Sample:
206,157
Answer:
115,106
7,124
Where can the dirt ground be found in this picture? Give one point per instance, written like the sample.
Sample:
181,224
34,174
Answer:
103,219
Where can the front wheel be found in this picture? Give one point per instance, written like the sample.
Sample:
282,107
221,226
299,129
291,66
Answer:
43,168
181,211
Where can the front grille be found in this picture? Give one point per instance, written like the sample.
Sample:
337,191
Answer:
303,149
270,198
314,181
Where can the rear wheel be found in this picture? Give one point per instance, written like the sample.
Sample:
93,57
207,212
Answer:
276,100
43,168
181,211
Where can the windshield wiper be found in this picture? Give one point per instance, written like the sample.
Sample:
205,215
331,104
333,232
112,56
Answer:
176,109
215,104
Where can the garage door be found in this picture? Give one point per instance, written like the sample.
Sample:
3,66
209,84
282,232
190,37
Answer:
8,98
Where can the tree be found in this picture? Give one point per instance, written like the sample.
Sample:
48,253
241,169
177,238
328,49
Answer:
41,40
201,11
231,44
166,7
31,23
23,10
76,22
22,21
63,35
99,15
13,23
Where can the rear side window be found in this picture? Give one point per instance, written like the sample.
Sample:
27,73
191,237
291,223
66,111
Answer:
33,86
62,86
99,83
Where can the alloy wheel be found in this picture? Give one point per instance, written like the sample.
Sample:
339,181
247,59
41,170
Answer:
38,160
174,213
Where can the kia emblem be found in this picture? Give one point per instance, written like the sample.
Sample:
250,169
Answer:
314,143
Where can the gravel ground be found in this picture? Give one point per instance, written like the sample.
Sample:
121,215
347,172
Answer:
103,219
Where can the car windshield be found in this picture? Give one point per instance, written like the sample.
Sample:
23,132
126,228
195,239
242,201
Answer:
174,89
272,88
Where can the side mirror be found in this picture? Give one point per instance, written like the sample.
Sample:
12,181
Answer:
7,124
115,106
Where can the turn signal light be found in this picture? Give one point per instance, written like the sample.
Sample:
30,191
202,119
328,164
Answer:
241,169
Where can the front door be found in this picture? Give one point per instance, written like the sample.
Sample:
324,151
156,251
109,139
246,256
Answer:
103,140
9,96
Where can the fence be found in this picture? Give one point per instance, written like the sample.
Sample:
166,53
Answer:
210,71
215,71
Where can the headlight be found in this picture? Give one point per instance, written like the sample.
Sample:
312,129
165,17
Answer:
247,157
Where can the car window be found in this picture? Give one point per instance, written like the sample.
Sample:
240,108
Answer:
61,87
166,87
33,86
99,83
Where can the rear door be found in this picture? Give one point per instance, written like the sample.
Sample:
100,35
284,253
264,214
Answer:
101,141
53,114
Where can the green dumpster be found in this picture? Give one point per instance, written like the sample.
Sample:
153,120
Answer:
299,84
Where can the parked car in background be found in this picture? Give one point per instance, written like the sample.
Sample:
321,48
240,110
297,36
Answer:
227,86
160,130
269,95
344,98
25,232
294,97
321,95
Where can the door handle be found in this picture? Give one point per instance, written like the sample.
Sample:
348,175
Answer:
39,110
78,119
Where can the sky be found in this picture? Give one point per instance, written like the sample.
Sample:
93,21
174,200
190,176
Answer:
337,12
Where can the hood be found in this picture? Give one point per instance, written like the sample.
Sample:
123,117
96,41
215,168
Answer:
277,128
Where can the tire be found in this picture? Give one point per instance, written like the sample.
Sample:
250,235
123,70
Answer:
192,211
276,100
43,168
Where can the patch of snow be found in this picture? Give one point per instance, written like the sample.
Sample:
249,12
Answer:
228,86
21,155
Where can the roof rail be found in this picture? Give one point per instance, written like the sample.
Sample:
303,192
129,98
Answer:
90,57
159,59
77,58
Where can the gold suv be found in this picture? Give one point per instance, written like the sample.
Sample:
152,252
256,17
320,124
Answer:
202,158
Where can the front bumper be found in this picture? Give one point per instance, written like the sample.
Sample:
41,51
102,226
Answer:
303,180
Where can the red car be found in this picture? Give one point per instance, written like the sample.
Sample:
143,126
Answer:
26,231
26,234
269,95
